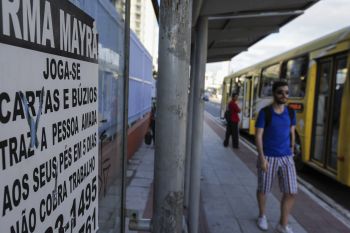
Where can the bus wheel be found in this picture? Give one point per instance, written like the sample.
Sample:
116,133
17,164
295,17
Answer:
299,165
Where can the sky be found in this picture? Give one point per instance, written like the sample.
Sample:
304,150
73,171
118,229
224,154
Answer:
321,19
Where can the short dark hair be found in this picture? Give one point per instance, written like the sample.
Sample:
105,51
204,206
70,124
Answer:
277,84
234,94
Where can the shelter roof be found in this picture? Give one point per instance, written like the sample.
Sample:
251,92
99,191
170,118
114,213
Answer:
235,25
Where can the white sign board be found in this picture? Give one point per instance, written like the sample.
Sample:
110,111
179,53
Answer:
48,118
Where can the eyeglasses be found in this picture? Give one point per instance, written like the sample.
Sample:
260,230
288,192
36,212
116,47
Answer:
281,92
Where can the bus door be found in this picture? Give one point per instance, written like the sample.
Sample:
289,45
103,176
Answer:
246,104
223,99
331,76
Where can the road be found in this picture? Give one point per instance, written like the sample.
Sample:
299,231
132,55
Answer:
212,108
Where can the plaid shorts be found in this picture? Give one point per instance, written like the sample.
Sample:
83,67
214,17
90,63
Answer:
285,169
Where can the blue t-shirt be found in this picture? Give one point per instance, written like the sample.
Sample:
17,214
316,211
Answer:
276,136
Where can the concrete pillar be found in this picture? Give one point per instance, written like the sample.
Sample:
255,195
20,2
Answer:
172,88
197,122
189,129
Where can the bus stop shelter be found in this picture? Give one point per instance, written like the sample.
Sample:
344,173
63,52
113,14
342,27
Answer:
191,34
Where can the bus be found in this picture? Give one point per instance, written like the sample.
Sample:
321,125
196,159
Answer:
319,92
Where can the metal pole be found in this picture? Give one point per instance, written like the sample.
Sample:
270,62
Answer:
172,90
197,123
189,129
125,111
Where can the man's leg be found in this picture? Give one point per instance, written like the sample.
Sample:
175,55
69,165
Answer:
228,133
286,207
288,185
265,179
261,197
235,135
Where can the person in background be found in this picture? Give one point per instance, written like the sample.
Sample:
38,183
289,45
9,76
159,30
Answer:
153,121
275,136
232,123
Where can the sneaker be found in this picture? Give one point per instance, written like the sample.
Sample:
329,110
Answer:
280,229
262,223
225,143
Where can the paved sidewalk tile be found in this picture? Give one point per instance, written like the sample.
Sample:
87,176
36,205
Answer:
228,191
137,192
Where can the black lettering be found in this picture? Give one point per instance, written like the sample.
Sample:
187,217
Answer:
36,179
74,71
85,97
78,71
7,205
54,133
53,69
41,175
65,98
91,99
17,108
48,103
24,223
74,97
32,220
16,192
30,150
13,151
49,204
42,212
66,71
22,149
3,145
31,100
46,73
17,228
4,118
56,99
25,186
43,139
60,69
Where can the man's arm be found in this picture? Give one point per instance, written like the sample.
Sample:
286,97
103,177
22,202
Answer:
292,138
237,109
259,144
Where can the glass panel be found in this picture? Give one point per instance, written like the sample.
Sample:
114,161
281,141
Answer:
237,85
255,96
246,111
240,86
296,76
269,75
321,110
110,27
340,73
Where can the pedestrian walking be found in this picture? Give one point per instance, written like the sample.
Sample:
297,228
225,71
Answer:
232,122
275,138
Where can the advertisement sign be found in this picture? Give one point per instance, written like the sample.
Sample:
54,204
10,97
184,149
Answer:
48,118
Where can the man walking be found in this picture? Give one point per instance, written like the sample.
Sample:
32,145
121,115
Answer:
232,123
275,136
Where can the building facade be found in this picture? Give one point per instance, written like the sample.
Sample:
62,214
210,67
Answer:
143,23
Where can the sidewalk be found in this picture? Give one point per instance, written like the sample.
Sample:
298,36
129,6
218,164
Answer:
139,192
228,186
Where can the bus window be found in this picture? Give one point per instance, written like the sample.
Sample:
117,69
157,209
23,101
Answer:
237,86
269,75
255,92
295,73
240,86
